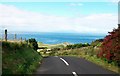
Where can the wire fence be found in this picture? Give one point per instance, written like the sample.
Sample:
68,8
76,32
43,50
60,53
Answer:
13,37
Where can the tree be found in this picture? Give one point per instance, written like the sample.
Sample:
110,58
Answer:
110,48
33,43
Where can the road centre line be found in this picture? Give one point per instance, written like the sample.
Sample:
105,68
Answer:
64,61
74,73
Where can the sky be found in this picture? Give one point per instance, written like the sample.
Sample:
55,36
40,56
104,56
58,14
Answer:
68,17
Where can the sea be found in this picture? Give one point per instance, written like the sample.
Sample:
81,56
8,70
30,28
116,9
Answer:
57,38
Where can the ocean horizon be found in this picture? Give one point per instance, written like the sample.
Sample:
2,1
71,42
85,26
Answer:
56,38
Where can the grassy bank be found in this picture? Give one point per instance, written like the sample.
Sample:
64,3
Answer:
19,58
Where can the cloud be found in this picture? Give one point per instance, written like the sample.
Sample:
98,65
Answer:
97,22
113,0
15,19
76,4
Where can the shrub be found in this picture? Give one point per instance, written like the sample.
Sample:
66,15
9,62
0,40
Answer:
74,46
97,42
110,48
33,43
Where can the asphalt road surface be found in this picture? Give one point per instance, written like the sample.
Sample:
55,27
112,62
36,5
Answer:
72,66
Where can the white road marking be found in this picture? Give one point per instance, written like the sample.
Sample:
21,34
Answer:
74,73
64,61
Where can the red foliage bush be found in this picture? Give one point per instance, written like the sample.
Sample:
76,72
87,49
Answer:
110,48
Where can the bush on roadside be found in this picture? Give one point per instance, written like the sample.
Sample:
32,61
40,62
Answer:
110,48
33,43
74,46
97,42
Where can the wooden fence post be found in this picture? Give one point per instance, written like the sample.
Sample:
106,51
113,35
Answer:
5,34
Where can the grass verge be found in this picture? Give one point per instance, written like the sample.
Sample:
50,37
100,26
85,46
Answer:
19,58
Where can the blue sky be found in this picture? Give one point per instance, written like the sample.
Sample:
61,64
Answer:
67,8
79,17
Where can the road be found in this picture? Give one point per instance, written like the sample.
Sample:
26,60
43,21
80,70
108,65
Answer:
71,66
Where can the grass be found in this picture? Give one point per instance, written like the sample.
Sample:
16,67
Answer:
104,64
50,46
19,58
